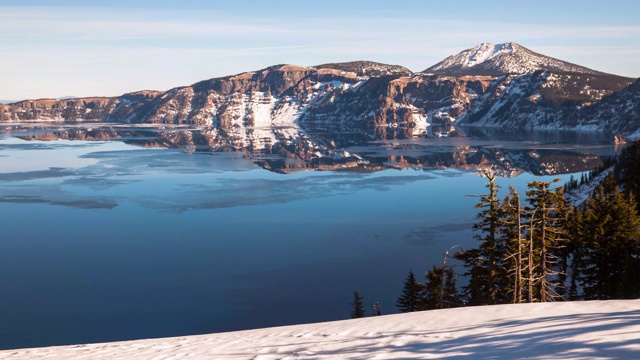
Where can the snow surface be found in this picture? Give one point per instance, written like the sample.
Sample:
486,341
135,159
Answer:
578,196
486,51
562,330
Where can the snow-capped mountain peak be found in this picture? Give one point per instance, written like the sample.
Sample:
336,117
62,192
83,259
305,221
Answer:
500,59
487,51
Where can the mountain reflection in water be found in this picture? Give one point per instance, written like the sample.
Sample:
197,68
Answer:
318,147
104,241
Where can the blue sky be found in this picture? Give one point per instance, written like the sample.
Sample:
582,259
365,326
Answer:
61,48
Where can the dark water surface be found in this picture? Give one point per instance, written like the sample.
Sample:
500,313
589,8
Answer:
103,241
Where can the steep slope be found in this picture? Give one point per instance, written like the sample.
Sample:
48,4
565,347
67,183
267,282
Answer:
615,113
541,100
559,330
489,59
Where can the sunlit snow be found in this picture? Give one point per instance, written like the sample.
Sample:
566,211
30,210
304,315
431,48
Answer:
564,330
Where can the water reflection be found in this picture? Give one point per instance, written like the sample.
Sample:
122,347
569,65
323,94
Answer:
105,241
323,147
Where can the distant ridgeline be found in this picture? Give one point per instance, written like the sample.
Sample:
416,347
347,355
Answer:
504,85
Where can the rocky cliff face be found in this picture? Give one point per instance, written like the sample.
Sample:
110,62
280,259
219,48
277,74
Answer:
618,112
541,100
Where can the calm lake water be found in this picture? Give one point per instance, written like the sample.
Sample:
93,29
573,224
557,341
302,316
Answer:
104,241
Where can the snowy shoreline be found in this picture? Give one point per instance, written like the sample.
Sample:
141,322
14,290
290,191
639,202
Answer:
562,330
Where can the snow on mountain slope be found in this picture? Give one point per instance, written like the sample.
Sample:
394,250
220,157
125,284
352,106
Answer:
561,330
546,100
618,112
501,59
486,51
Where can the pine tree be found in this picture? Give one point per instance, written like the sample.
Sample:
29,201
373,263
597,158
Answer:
628,169
606,245
358,309
512,227
451,297
436,287
485,265
547,238
433,287
412,294
572,228
376,309
473,292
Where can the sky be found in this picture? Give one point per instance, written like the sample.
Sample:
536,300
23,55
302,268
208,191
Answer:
52,49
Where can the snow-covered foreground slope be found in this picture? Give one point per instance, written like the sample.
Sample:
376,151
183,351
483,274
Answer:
566,330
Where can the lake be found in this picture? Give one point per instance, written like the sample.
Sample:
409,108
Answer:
106,240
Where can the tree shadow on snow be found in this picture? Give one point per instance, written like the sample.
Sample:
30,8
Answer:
561,337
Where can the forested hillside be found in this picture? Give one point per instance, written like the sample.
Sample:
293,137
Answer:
537,247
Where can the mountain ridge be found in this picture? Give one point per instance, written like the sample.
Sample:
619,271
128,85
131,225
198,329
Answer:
246,109
367,68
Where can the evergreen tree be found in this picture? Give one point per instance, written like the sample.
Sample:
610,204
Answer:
485,264
358,309
432,285
376,309
564,216
512,229
572,228
628,169
412,295
440,294
450,296
606,245
547,238
474,260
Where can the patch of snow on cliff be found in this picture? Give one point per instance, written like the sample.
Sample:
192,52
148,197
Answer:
261,107
421,123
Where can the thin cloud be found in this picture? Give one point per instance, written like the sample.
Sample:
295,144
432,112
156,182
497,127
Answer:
110,49
82,24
